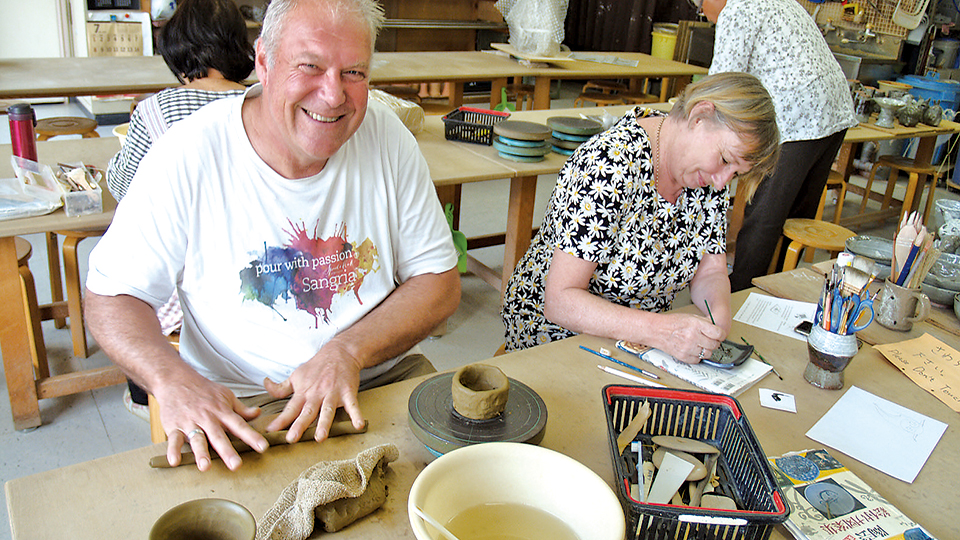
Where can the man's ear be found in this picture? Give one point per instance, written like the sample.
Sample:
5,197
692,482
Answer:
260,61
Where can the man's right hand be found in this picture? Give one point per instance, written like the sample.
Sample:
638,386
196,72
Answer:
202,413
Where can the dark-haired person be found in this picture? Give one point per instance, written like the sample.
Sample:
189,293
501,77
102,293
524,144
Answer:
205,45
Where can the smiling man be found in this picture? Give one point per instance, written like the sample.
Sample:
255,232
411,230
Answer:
301,229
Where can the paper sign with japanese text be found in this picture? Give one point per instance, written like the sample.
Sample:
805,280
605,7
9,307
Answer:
929,362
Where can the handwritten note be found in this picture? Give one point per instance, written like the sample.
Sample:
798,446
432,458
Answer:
929,362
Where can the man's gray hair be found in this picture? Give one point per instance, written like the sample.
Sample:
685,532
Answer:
369,11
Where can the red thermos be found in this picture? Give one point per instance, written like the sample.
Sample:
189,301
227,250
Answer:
22,137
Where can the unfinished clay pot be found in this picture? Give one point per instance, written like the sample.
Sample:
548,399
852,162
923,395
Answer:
479,391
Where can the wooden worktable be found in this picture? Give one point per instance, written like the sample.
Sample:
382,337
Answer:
84,76
120,496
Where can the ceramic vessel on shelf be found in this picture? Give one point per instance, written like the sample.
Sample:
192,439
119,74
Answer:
888,108
894,89
932,114
910,114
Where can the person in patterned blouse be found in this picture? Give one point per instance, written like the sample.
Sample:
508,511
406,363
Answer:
779,43
638,214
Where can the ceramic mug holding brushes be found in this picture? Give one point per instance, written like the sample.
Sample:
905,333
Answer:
899,307
830,353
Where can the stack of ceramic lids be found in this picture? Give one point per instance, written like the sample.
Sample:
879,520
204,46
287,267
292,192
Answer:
570,132
521,141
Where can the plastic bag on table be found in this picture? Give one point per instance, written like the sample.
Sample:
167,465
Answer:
33,192
536,26
410,113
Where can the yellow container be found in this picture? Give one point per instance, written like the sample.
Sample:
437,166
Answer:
664,40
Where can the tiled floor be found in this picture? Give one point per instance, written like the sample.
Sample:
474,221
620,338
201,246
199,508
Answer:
86,426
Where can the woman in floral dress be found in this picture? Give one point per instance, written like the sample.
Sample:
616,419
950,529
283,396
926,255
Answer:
638,214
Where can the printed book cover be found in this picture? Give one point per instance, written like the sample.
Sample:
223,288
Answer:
829,502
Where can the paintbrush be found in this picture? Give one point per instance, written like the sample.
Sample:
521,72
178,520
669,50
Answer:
865,265
853,281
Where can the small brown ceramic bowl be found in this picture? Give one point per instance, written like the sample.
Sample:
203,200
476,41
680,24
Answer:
479,391
205,518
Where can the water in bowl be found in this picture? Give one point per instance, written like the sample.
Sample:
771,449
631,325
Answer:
508,521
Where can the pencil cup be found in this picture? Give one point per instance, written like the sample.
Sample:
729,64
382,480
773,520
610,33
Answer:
829,355
899,307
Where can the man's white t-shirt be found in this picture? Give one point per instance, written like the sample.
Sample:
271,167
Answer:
269,269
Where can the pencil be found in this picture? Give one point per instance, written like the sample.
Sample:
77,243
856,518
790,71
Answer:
762,359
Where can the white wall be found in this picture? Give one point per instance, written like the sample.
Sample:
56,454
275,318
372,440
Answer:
32,29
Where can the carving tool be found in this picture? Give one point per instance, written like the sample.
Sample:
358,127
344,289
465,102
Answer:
630,377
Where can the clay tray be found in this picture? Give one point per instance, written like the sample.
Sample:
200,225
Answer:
744,472
472,125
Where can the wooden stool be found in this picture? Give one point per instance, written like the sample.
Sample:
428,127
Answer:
66,125
809,234
157,434
637,98
606,87
521,93
834,182
597,98
408,93
38,350
914,188
71,270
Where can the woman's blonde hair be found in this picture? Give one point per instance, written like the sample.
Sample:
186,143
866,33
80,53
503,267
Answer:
743,105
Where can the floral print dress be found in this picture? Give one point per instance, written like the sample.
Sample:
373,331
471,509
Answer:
606,209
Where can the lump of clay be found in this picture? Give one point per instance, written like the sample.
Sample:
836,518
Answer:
479,391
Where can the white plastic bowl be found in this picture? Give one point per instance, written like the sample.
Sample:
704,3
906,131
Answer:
121,132
517,473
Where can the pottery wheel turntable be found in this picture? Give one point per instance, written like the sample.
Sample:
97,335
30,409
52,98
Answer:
436,424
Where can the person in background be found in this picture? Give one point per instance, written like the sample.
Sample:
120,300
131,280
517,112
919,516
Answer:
779,42
638,214
205,45
301,228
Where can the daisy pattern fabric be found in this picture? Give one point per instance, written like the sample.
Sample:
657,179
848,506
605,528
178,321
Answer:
606,209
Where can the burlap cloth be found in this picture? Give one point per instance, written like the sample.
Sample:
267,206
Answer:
336,493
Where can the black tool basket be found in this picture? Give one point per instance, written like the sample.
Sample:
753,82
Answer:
472,125
743,470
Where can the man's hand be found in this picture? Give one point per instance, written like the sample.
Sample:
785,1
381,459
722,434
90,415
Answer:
316,389
201,413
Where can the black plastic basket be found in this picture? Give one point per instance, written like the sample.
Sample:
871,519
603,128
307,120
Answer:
744,472
472,125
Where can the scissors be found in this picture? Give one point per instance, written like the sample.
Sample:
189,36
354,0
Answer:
858,306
